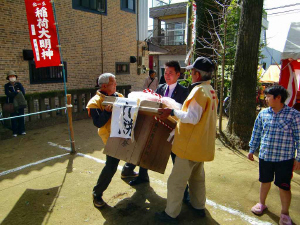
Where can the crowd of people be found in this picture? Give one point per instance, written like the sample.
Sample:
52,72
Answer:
276,134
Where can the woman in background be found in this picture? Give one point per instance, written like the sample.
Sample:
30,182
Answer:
151,82
12,89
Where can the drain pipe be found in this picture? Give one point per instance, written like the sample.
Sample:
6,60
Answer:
102,60
138,37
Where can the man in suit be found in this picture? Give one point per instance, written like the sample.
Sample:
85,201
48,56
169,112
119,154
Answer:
170,89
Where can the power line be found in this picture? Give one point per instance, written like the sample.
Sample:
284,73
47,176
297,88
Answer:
284,6
284,12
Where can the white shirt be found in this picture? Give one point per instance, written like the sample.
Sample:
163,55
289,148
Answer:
193,114
171,89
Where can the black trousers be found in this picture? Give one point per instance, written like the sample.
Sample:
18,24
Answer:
18,124
105,176
143,173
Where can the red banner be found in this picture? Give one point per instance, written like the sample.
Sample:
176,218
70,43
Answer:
42,31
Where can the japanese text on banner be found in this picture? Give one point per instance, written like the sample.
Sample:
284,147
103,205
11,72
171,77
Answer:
42,31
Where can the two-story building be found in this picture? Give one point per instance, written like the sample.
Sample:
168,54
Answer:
167,36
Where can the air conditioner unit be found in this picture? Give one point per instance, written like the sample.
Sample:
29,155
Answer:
142,61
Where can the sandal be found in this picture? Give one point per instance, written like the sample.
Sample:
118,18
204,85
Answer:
258,208
285,220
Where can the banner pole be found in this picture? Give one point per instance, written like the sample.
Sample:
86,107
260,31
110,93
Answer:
67,96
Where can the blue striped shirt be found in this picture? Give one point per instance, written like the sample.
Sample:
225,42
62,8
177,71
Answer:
277,134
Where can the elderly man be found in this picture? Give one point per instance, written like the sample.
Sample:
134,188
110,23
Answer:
102,119
194,142
170,89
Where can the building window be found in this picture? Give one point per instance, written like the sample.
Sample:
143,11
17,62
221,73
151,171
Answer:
94,6
122,68
128,5
175,33
43,75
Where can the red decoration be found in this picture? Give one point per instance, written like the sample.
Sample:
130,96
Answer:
163,123
42,31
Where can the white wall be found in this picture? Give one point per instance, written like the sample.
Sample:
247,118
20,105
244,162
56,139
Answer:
143,20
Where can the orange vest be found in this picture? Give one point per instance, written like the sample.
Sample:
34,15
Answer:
96,103
197,142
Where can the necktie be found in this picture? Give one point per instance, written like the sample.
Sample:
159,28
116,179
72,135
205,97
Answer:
167,92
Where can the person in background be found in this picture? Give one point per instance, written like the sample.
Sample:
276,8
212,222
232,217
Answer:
12,89
261,96
162,80
276,133
151,82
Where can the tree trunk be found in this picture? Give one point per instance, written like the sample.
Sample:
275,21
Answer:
243,86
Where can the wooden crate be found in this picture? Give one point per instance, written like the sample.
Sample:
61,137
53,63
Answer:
150,149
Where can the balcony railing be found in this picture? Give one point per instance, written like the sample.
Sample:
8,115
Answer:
168,40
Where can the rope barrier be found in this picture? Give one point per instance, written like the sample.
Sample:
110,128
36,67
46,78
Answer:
31,114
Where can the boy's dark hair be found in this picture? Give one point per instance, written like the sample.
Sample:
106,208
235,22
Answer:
174,64
277,90
151,72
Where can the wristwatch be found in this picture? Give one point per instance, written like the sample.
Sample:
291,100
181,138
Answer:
172,112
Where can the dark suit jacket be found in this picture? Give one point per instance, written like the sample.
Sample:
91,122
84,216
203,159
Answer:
179,94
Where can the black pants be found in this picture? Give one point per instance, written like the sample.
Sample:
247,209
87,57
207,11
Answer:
143,173
18,124
106,175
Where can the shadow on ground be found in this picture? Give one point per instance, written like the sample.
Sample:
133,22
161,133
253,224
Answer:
34,205
146,202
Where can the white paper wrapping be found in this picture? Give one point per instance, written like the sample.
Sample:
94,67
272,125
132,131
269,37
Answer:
124,115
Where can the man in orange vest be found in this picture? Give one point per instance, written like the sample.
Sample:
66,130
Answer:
194,142
102,119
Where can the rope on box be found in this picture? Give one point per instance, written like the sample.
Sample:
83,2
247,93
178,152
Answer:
163,123
147,90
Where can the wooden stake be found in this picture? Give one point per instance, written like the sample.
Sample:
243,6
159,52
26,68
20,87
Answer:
69,107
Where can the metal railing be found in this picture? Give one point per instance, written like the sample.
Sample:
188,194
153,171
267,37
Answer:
47,101
168,40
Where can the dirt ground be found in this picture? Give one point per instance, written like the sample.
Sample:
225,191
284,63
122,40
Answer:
41,183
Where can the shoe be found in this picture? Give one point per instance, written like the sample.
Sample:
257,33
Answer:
285,220
99,203
23,133
201,212
15,135
258,209
164,217
186,197
129,174
139,180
